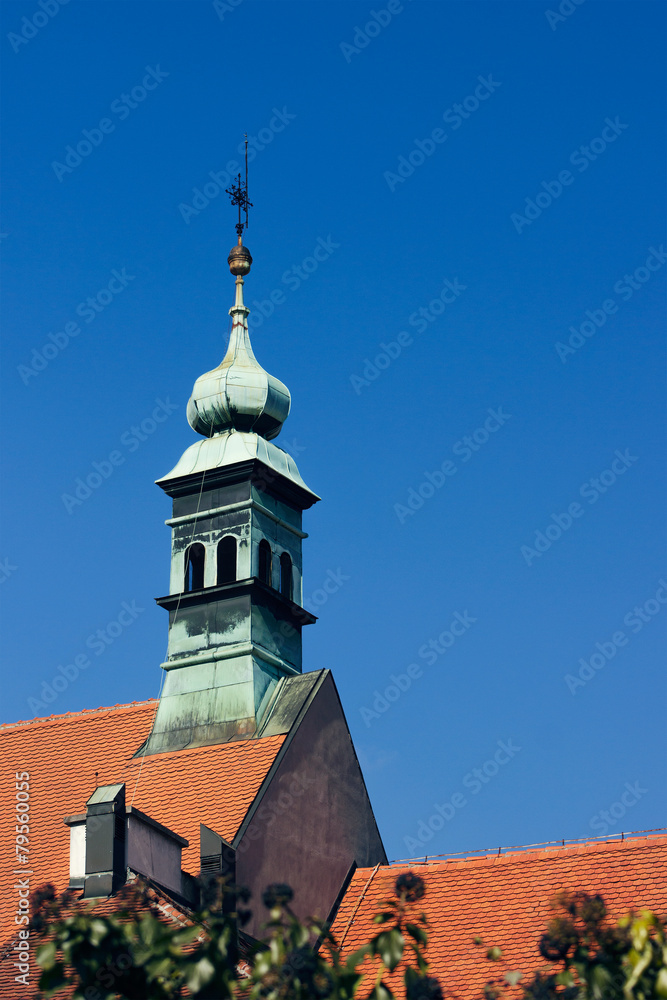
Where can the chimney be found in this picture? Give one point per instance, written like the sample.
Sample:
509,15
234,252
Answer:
105,841
110,839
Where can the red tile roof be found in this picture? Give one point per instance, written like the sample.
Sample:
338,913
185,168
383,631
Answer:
153,900
214,785
505,899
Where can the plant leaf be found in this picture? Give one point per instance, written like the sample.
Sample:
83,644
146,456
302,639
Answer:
389,946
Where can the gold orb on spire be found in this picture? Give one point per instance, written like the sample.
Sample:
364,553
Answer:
239,259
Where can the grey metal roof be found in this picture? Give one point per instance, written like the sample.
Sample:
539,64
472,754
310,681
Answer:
231,447
104,793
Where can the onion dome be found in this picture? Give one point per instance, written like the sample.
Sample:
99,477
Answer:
238,394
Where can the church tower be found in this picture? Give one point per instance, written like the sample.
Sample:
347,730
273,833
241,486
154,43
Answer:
245,767
235,593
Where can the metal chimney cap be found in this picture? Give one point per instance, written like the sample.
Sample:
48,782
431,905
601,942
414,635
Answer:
105,793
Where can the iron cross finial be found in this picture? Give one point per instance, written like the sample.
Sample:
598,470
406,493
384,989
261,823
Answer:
238,194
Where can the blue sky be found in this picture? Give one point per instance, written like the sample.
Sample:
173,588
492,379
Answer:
476,369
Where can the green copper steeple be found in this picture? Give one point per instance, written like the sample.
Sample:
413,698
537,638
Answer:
234,602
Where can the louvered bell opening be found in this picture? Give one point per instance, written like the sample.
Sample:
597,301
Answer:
211,864
119,826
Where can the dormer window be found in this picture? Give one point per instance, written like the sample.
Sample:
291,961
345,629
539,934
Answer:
264,568
194,568
226,560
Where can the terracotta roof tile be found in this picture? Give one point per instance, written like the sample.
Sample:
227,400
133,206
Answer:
214,785
156,901
505,899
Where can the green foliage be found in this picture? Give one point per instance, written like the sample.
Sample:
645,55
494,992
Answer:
132,954
402,937
593,959
646,961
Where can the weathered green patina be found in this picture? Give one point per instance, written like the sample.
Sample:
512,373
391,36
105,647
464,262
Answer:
234,626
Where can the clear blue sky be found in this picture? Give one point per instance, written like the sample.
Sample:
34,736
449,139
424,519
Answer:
539,200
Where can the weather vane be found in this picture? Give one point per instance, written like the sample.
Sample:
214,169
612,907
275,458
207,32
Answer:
238,194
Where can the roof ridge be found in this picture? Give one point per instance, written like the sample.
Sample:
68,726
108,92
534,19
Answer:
75,715
549,846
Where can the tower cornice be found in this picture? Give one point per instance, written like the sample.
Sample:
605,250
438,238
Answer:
289,611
